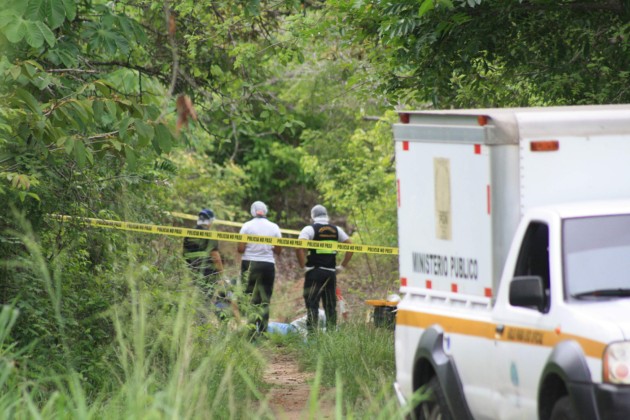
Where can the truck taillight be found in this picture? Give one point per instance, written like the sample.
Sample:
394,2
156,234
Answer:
403,117
544,146
616,363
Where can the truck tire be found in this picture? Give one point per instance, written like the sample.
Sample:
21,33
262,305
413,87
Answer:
433,408
563,410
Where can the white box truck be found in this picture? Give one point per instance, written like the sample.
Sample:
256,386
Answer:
514,247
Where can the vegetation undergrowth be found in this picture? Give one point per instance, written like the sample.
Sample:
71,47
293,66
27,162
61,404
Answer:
169,355
180,371
357,360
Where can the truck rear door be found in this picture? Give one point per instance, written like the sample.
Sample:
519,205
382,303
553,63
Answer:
445,245
444,216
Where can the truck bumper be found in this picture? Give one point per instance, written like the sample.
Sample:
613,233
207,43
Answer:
613,401
601,401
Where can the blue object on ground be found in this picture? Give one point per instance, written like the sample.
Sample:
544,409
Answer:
280,328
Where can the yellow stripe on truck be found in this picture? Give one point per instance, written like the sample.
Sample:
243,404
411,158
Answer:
228,237
487,330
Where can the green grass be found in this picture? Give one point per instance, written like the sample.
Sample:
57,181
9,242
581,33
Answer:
158,373
167,356
357,361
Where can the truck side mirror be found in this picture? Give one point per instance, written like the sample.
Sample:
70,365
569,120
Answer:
528,291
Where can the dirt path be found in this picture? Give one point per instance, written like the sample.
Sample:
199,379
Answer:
290,390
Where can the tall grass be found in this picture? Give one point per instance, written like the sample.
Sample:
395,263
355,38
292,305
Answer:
358,361
179,373
167,359
163,361
173,375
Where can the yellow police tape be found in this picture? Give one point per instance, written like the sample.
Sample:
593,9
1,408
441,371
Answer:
223,222
229,237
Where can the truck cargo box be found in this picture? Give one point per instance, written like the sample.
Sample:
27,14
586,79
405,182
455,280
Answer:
465,178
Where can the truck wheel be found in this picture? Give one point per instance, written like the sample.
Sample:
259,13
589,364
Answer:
434,408
563,410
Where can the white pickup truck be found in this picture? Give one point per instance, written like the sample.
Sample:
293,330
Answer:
514,247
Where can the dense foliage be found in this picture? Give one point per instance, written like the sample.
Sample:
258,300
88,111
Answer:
488,53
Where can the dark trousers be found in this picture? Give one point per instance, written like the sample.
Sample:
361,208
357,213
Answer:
205,275
320,284
258,278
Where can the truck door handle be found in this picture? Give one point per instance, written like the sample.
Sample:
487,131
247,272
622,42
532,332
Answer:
499,329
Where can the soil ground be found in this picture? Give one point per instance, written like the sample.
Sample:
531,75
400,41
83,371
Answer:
290,390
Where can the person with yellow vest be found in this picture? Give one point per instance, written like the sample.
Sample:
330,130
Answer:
202,255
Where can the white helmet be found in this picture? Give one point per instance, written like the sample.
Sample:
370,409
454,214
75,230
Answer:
318,211
258,209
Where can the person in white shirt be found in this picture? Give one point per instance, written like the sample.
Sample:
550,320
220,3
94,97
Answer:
258,269
320,279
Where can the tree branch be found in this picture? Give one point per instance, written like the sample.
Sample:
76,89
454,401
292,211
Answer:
149,71
72,71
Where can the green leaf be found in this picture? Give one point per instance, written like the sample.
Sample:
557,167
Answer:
37,33
15,72
61,141
55,12
18,6
145,132
80,153
89,155
425,7
65,115
29,100
156,145
53,133
126,26
163,137
36,10
16,30
6,17
80,111
69,145
122,128
66,53
103,87
30,68
71,9
116,144
216,70
47,33
130,154
101,38
111,108
98,108
24,194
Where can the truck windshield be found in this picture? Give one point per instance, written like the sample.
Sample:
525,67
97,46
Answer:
597,257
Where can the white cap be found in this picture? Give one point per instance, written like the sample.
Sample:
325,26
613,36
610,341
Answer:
258,209
318,211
